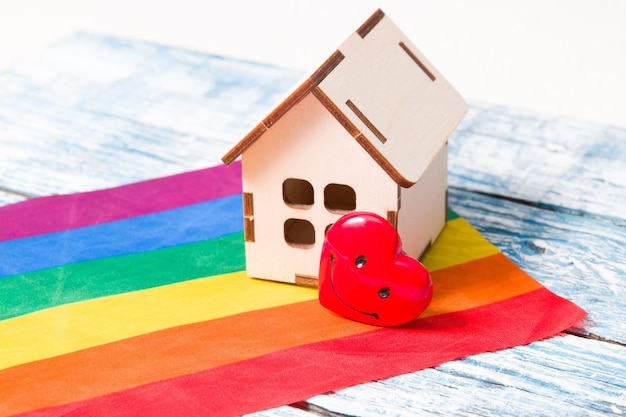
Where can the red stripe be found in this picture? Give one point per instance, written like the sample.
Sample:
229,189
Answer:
174,352
63,212
291,375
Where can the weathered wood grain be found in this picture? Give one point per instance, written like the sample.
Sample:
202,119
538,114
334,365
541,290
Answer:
94,112
577,257
552,162
48,149
561,376
550,192
166,87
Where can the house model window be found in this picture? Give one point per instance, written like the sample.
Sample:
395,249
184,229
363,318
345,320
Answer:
339,198
299,233
298,193
372,121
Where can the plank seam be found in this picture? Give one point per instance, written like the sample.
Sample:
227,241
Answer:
13,192
595,337
550,207
315,410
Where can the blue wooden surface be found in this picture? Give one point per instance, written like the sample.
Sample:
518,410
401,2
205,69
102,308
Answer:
95,112
563,376
549,191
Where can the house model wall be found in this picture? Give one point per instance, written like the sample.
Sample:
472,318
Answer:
366,131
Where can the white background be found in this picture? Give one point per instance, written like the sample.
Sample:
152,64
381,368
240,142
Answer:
566,57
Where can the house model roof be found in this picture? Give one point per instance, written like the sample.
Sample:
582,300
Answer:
386,94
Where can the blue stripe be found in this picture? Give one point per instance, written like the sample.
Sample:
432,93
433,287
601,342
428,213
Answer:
164,229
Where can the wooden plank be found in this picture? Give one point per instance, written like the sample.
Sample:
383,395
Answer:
553,162
167,87
559,376
62,150
544,189
95,112
578,257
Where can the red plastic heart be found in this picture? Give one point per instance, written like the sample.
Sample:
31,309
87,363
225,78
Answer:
365,276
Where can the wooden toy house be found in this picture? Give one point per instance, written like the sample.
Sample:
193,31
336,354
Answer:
366,131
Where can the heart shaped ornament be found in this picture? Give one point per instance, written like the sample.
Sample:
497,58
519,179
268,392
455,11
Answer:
365,276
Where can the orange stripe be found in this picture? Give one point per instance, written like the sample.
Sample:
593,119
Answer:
480,282
192,348
167,354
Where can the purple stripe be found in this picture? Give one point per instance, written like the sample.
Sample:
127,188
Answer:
63,212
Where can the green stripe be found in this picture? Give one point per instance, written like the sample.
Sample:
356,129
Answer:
25,293
452,214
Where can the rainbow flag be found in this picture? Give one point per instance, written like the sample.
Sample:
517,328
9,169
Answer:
134,301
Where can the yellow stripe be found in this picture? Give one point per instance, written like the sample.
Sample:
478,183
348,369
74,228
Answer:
72,327
458,243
